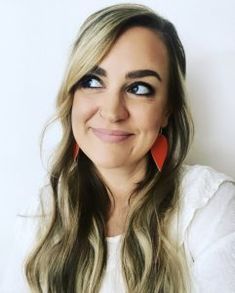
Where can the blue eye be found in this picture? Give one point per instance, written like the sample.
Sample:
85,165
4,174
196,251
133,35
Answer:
90,81
141,89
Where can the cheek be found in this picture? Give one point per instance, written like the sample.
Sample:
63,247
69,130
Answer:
82,110
149,120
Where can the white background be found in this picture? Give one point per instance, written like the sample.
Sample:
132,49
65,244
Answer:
36,37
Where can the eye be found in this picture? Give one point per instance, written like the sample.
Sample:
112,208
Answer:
90,81
141,89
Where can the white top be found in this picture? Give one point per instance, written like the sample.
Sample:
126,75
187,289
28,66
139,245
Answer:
205,226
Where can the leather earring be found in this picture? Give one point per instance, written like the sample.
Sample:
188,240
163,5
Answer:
75,151
159,151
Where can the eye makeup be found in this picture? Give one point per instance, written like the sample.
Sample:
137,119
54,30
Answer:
88,80
143,88
138,88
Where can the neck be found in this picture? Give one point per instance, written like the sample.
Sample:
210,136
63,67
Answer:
122,181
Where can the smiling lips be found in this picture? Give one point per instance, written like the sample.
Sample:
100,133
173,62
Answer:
108,135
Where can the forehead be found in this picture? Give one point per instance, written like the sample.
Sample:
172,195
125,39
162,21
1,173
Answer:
137,48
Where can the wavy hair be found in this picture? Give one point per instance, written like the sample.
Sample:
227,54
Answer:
70,254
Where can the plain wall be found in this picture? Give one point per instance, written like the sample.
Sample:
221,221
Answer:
36,37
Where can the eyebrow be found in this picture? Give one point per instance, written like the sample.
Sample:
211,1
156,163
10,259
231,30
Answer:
132,74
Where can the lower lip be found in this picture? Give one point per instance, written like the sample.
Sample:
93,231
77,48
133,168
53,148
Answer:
110,138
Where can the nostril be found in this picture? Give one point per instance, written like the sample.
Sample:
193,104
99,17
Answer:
114,114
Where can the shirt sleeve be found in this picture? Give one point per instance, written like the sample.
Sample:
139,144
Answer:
211,242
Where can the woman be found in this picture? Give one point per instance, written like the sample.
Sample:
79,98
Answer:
125,214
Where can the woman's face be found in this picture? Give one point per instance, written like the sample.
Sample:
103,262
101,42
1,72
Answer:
119,108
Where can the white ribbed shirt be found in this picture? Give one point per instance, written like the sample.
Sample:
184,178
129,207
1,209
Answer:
204,225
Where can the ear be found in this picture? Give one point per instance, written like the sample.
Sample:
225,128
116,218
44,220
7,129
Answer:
165,118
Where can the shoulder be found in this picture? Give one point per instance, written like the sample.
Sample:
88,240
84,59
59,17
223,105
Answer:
207,206
199,185
25,232
30,216
207,227
197,178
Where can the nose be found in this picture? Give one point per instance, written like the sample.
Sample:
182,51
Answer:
113,108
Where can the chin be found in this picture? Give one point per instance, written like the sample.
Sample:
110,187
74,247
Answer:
106,158
107,163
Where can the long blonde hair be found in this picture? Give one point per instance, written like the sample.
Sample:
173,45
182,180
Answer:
71,252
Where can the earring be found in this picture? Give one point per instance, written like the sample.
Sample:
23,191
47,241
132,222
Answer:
75,151
159,151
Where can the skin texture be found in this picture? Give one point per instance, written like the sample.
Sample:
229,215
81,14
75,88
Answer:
114,103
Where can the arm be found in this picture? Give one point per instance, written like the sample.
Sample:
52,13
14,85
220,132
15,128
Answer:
211,242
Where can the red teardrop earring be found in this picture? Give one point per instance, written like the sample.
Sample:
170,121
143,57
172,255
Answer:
159,151
75,151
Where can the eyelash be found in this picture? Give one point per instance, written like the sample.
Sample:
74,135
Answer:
83,84
86,78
